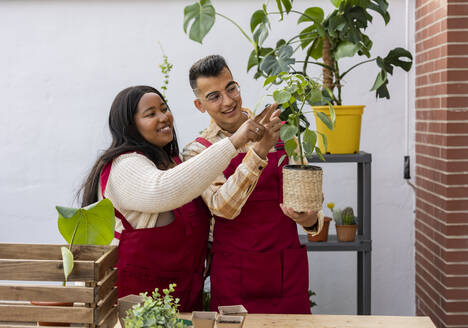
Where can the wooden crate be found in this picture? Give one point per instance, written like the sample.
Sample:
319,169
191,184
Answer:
24,269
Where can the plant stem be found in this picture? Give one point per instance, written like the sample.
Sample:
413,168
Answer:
240,29
338,82
317,63
366,61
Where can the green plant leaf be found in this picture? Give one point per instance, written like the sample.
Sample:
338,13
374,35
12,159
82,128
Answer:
68,262
281,159
260,34
290,146
315,50
269,80
203,16
287,5
258,17
332,114
308,35
319,153
336,3
312,14
95,223
288,132
325,119
274,64
308,148
253,60
346,49
394,58
310,137
325,141
380,80
281,96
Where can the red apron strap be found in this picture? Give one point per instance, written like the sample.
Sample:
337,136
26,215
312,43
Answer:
203,141
177,159
105,173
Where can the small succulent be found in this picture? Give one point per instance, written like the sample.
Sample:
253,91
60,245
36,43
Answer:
342,217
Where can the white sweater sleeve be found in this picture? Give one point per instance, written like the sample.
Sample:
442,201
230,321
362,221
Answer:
135,183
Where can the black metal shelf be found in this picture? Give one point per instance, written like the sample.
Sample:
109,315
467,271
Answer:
360,244
363,243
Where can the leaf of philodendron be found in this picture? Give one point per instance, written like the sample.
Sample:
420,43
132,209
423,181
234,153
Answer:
274,64
95,223
269,80
258,17
260,34
325,119
308,148
281,96
253,60
312,14
287,5
287,132
379,80
203,16
310,137
346,49
68,262
332,114
319,153
290,147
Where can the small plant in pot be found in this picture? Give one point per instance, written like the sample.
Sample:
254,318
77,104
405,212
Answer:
302,183
91,225
345,223
156,311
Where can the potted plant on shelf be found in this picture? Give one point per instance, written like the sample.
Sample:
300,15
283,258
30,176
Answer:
345,223
319,40
91,225
155,311
302,183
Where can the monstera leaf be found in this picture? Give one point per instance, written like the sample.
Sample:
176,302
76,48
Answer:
276,63
91,225
202,15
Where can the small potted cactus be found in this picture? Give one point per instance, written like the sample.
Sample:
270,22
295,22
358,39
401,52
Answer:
345,223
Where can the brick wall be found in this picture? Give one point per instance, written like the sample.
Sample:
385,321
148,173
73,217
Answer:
441,224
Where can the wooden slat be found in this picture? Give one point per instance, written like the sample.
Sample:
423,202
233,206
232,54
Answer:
63,314
104,306
106,262
49,252
105,285
44,270
110,319
47,293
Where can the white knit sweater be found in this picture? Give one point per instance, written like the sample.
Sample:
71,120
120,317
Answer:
140,191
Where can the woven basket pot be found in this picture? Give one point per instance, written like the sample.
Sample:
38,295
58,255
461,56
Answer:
302,187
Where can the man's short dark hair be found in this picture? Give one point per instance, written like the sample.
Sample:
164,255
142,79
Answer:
209,66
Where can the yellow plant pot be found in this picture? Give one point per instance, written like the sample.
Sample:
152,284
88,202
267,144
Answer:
345,137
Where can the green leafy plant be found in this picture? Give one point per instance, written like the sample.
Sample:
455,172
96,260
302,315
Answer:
320,40
90,225
343,217
311,302
157,311
165,68
295,90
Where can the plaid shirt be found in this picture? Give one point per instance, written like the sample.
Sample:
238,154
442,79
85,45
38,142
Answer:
226,197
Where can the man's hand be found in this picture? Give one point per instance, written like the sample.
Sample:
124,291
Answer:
248,131
305,219
269,118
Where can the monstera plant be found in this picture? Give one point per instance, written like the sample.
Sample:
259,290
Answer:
90,225
320,39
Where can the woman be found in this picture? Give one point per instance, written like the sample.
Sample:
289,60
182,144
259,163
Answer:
161,227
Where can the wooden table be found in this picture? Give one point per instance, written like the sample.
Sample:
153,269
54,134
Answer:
330,321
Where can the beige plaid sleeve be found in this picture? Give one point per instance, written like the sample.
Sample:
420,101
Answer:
225,197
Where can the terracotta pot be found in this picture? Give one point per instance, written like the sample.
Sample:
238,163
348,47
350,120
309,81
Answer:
40,323
323,235
346,232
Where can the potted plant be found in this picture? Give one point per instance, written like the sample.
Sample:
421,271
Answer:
302,183
345,223
156,311
322,236
319,40
91,225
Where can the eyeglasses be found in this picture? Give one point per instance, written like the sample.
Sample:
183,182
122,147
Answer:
232,91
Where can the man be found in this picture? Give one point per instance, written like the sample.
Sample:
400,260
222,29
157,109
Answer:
257,259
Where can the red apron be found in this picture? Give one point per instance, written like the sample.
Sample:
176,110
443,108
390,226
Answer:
156,257
257,258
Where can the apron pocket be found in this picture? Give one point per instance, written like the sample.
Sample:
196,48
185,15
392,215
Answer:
295,271
260,275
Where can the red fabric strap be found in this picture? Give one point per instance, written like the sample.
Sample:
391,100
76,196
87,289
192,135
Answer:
203,141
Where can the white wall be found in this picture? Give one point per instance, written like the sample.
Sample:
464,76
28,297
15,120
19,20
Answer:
61,64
